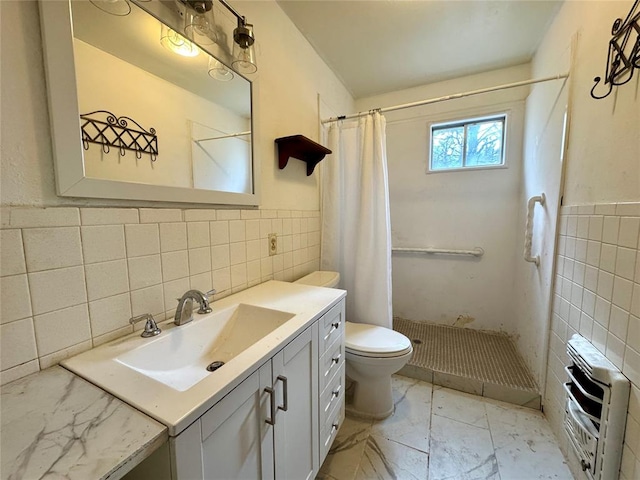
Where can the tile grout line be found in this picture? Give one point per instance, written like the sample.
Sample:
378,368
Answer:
429,447
493,445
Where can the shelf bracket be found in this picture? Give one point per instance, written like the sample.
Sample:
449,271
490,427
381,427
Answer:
302,148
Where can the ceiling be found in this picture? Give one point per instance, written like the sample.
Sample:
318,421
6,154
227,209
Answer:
378,46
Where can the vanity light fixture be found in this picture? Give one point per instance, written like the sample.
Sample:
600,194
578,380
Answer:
244,57
199,28
176,43
199,23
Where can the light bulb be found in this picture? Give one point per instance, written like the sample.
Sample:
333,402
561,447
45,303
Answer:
244,60
200,27
120,8
173,41
219,71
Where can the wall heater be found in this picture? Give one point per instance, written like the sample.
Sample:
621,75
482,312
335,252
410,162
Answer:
596,409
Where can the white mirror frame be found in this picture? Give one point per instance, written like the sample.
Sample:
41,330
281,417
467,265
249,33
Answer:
71,181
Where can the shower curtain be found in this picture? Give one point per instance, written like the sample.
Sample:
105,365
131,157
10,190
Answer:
356,226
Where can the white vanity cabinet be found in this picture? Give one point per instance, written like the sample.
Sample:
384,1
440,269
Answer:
331,376
231,440
280,421
295,369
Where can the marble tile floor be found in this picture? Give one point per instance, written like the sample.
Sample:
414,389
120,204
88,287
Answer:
442,434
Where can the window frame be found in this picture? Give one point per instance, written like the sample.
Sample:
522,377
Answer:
464,122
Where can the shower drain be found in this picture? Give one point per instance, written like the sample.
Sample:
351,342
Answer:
213,366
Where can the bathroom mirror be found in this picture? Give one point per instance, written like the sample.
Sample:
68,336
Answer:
132,119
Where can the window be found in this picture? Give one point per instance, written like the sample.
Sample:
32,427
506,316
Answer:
475,143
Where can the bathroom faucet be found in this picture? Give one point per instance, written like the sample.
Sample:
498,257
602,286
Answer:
184,312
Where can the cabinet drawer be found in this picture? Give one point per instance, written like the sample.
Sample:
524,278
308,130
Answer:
332,396
329,433
330,363
331,326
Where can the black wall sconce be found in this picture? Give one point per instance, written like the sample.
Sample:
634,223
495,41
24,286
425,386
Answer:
624,52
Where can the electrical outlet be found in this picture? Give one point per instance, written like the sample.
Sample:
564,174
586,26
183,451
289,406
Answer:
273,243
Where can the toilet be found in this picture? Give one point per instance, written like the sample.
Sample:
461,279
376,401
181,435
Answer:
373,354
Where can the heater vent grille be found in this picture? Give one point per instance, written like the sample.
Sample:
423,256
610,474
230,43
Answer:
597,398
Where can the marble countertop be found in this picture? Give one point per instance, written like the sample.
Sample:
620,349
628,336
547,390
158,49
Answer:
54,424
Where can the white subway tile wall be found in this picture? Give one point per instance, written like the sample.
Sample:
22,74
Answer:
597,294
72,277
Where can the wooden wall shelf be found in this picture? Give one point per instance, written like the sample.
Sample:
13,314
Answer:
302,148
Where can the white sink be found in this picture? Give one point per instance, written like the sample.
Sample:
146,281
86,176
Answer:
180,357
166,376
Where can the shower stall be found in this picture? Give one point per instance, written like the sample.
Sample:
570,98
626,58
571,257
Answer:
462,290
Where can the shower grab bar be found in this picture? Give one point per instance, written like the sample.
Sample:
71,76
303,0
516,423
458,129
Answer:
528,232
475,252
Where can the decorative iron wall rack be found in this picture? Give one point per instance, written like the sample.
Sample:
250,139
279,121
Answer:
104,128
624,52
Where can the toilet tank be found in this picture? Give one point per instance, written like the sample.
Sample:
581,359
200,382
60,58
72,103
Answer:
321,278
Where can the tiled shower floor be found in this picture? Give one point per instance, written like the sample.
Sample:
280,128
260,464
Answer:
472,361
442,434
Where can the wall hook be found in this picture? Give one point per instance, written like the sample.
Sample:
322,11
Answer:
623,56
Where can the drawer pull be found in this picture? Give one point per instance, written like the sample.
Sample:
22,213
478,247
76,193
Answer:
334,361
285,393
334,327
334,394
334,427
272,404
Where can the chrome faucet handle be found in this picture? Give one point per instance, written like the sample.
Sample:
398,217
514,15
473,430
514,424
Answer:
151,328
204,305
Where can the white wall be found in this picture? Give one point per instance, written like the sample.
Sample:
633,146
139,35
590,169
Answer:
542,173
597,294
454,209
595,290
289,78
604,154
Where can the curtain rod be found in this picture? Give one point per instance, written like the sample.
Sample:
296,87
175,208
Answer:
450,97
230,135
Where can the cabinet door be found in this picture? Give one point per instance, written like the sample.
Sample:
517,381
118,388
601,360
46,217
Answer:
232,440
295,378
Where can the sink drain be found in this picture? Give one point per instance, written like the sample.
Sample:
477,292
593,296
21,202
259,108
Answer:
213,366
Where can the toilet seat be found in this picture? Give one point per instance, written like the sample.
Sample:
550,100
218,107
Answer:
373,341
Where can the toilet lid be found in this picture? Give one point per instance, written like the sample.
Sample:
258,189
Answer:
371,340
